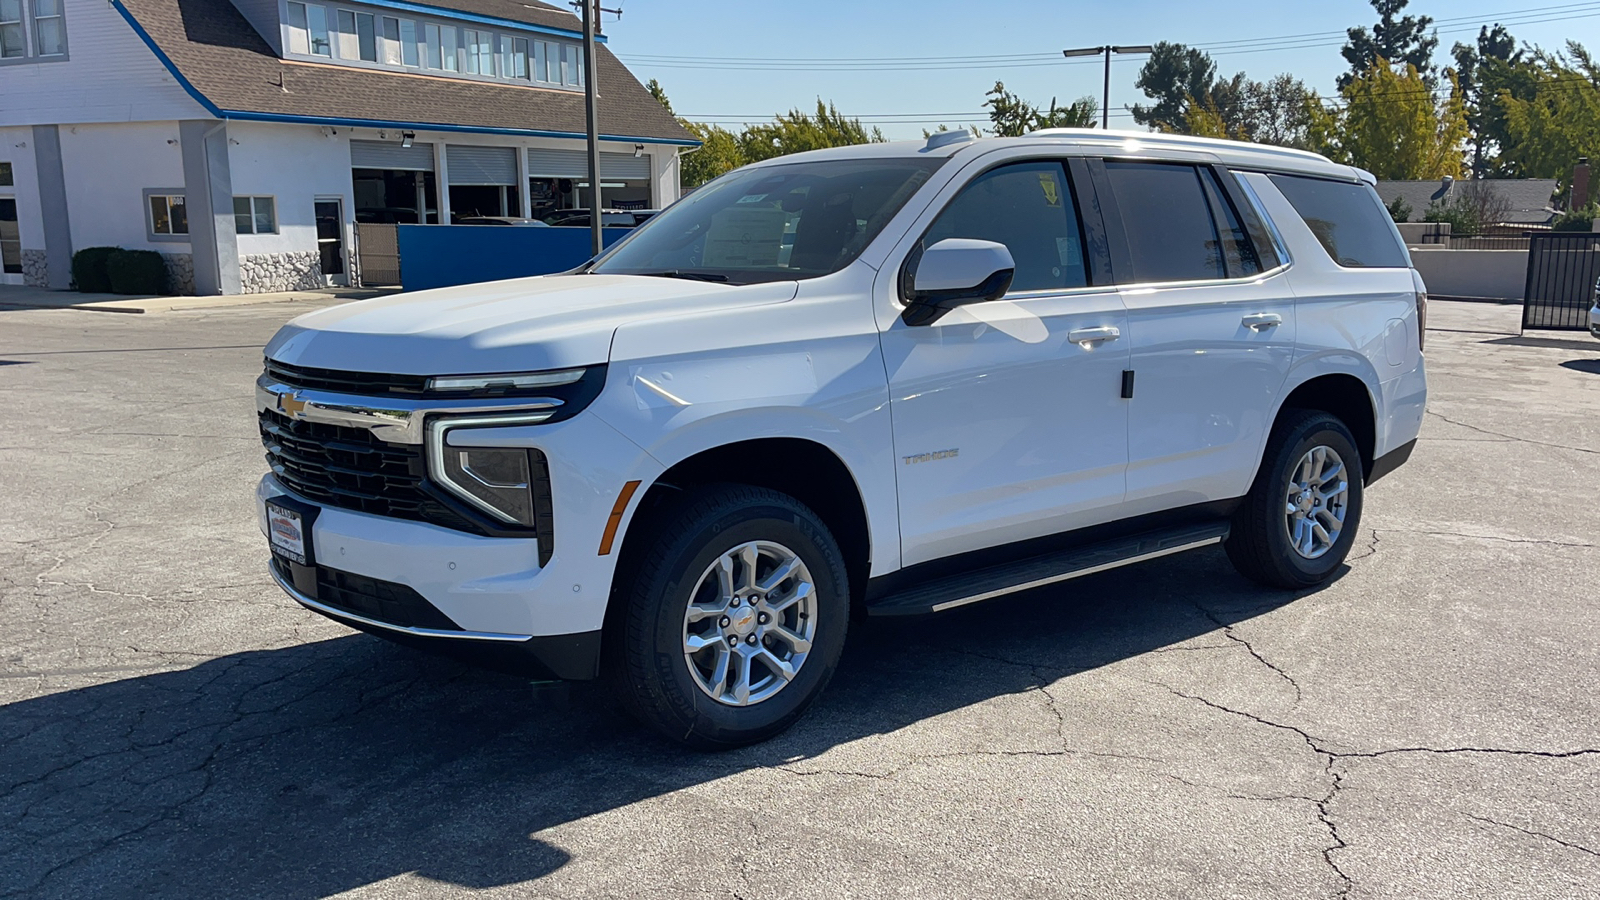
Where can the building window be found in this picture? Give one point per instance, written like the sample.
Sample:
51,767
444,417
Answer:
347,35
367,36
574,62
317,23
448,46
13,41
255,215
519,58
5,174
478,47
50,33
390,43
408,42
169,215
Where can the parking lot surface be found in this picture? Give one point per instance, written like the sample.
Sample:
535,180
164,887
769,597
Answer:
171,725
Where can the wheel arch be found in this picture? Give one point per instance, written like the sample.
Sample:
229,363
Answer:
803,468
1345,396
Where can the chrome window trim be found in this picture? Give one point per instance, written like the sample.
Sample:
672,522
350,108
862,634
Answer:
1261,211
395,420
1150,286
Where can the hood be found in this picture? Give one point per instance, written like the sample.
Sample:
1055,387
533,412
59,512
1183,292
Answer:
521,325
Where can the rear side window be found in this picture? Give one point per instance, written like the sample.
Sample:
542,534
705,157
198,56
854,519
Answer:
1029,208
1167,219
1348,219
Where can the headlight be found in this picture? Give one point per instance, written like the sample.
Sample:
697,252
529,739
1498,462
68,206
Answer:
505,482
498,385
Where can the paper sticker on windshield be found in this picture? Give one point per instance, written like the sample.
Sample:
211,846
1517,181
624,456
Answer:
744,238
1067,250
752,198
1052,191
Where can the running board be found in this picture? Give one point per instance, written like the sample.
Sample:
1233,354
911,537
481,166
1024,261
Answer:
1038,571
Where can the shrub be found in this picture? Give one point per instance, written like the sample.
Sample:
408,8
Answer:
137,272
1399,209
89,269
1577,219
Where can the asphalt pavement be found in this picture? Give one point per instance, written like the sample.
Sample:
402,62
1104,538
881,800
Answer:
1425,726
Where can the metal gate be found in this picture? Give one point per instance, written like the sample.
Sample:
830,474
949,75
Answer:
377,254
1562,269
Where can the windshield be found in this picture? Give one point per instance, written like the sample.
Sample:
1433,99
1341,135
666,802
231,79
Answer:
773,223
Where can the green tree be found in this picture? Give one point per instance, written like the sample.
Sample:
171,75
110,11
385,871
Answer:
796,132
1401,41
1389,123
1271,112
660,93
1553,118
1012,116
1481,69
719,153
1176,77
1399,209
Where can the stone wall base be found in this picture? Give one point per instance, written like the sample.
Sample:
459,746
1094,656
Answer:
180,273
35,268
269,272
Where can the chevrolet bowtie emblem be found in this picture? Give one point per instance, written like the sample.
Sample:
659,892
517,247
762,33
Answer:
291,404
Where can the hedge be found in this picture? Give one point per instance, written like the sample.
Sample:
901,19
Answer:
89,269
137,272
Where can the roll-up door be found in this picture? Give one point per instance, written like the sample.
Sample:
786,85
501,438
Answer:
390,155
575,164
481,165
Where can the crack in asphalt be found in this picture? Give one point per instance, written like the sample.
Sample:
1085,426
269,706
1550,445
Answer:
1538,834
1511,437
1227,632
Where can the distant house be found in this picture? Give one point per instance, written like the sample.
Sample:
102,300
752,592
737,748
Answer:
1529,198
244,139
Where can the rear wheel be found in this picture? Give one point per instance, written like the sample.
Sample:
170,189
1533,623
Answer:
734,617
1298,522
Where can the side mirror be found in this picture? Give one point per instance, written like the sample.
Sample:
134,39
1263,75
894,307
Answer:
954,272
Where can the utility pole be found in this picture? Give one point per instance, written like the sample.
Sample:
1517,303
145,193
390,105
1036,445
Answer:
591,24
1105,101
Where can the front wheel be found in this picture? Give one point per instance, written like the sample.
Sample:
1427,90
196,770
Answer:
734,617
1299,520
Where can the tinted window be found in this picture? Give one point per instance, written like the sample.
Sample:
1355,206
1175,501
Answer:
1347,218
772,223
1238,253
1167,219
1028,208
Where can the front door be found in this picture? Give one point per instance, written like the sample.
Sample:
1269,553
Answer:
330,240
1007,415
1212,326
10,242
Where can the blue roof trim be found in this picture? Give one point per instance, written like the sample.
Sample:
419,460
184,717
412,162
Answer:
446,13
241,115
165,60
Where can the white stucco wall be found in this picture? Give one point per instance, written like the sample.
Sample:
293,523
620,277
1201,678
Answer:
1500,274
294,164
109,75
107,169
16,147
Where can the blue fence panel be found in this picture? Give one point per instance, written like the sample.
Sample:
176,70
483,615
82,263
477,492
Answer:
433,256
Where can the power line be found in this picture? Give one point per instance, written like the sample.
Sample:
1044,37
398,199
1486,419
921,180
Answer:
1527,16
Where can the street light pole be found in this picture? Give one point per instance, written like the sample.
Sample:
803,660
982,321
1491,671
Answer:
1107,50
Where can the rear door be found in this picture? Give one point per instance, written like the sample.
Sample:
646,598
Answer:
1211,323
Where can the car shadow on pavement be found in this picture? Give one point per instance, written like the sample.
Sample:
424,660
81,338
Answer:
319,768
1591,366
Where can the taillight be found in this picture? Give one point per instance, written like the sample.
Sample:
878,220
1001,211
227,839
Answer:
1422,319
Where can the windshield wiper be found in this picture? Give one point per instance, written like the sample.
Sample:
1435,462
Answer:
692,276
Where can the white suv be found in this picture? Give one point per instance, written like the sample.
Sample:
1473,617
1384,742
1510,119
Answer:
883,380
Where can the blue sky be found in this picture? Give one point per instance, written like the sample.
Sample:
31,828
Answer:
943,55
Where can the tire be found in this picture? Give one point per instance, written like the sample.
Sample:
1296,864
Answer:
1260,544
686,549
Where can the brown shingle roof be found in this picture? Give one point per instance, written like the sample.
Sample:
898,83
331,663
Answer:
230,65
532,11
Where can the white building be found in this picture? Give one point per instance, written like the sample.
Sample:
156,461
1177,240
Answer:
243,139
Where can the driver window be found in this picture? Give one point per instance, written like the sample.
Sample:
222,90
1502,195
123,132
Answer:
1029,208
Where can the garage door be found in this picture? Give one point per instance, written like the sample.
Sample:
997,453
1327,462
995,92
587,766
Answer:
481,165
390,155
575,164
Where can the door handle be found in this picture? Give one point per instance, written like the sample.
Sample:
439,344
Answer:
1262,321
1094,335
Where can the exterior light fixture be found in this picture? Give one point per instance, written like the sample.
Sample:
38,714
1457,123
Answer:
406,138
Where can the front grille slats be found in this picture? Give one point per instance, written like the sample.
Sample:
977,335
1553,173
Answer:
346,467
367,383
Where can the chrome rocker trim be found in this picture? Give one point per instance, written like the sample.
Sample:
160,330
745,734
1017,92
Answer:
338,615
392,419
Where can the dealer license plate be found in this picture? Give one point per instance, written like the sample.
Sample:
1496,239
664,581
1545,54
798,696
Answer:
287,529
